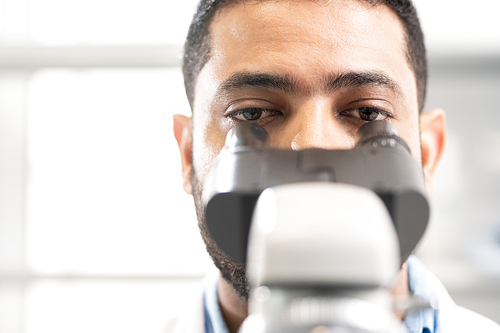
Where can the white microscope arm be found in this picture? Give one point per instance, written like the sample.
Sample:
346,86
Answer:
321,256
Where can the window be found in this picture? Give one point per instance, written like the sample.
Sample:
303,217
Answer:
93,218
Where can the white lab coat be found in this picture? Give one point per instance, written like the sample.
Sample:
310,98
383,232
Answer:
452,318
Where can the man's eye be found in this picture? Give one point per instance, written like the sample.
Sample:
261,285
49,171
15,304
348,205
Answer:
252,114
368,114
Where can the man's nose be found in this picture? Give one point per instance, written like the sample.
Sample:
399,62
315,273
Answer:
314,126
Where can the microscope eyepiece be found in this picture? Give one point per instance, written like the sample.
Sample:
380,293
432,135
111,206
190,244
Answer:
380,134
248,135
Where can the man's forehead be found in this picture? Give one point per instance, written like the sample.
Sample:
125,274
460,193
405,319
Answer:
303,5
305,29
277,7
334,21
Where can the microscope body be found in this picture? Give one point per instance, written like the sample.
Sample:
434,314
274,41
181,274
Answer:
322,233
381,162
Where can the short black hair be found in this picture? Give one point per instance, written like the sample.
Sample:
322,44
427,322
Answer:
197,45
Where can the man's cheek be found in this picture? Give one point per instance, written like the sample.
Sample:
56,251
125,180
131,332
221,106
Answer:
411,135
205,150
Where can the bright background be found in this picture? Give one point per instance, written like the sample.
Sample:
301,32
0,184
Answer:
96,234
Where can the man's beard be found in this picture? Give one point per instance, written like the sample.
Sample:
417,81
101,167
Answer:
231,271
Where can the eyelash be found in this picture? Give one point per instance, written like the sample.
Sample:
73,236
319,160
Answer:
377,111
347,113
261,111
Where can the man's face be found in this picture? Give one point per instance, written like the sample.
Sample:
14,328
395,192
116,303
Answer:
310,72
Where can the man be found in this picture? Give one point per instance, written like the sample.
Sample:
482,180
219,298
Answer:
311,72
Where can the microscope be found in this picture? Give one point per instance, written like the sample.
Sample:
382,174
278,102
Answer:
323,233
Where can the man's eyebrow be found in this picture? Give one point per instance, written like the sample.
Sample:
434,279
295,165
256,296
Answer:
360,79
258,80
288,84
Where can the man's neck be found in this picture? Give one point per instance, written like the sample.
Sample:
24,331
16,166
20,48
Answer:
401,288
234,308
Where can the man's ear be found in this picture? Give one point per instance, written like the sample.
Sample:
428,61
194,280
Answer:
182,132
432,140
